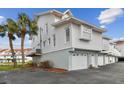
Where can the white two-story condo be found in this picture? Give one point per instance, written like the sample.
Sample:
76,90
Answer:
70,43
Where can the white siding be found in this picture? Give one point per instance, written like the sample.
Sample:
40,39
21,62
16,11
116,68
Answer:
59,33
120,47
58,59
94,44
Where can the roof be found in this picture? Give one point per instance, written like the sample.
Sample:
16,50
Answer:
119,42
33,53
68,12
79,22
7,52
106,37
69,19
55,12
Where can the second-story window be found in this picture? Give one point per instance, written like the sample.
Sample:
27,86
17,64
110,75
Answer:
54,40
41,30
67,34
33,39
46,26
49,41
44,43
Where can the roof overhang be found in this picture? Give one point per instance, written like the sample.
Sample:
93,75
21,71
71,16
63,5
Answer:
32,54
78,22
54,12
80,50
107,38
119,42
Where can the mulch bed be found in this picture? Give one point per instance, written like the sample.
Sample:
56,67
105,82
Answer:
57,70
34,69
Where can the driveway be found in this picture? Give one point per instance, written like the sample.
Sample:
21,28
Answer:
109,74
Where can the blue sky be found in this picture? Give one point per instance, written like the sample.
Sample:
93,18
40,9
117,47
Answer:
110,19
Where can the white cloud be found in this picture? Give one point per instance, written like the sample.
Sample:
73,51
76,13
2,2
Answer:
102,26
2,19
108,16
116,39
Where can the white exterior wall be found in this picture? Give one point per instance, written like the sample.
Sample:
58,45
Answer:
58,31
94,44
58,59
120,47
41,24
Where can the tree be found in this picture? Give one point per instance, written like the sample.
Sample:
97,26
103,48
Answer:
10,29
26,26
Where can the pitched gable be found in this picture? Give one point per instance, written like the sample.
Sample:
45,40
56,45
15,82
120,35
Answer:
67,14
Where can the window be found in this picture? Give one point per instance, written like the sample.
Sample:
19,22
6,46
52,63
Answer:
44,43
41,29
54,40
73,54
33,39
46,28
67,34
49,41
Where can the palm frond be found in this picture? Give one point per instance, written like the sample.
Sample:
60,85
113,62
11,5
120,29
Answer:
33,27
12,26
2,31
2,34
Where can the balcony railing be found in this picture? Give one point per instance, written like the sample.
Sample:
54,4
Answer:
85,35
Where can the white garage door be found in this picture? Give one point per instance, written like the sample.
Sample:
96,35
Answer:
100,60
93,60
110,59
79,61
116,59
113,59
106,60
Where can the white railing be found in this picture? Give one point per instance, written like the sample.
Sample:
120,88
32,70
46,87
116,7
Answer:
86,33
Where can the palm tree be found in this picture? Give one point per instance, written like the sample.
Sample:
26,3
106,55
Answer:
10,29
26,26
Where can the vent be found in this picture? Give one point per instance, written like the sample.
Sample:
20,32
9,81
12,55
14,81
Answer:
38,50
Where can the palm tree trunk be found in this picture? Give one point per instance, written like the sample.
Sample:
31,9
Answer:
12,50
22,48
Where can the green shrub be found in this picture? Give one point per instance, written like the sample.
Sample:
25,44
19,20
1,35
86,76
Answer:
45,64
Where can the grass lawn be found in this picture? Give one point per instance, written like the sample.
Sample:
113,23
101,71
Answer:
8,67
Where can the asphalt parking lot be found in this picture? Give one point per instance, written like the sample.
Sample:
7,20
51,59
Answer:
109,74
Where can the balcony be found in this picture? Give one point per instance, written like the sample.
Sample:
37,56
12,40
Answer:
105,47
85,35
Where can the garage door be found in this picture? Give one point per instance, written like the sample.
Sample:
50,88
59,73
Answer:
113,59
106,60
100,60
93,60
116,59
110,59
79,61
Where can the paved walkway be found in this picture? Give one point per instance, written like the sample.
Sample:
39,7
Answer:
109,74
